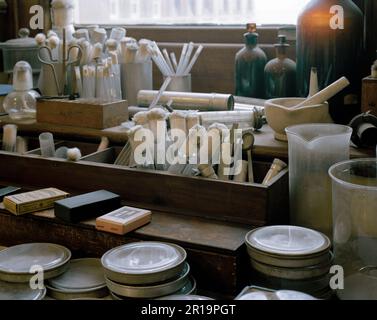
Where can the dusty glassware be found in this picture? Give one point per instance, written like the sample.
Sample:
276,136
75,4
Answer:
313,149
355,226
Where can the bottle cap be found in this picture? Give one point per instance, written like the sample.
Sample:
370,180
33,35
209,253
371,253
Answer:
22,76
282,42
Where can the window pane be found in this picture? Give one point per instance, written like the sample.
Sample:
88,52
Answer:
231,12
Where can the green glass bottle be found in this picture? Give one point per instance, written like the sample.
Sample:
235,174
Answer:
280,73
250,64
330,38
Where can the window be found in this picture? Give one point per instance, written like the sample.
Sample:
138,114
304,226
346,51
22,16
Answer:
183,12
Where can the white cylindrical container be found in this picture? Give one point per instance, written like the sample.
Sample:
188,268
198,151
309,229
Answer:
136,77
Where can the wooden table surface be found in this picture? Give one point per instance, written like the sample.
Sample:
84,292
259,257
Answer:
265,143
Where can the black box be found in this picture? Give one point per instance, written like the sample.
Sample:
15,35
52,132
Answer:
87,206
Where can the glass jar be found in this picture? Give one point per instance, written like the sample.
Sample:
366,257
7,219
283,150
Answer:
335,49
355,226
21,103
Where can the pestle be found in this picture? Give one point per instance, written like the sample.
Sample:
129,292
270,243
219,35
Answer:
325,94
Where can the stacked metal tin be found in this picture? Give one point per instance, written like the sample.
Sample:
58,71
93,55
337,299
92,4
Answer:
147,270
84,279
291,258
19,264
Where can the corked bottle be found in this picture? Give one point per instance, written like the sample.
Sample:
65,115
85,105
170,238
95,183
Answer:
250,64
330,38
280,73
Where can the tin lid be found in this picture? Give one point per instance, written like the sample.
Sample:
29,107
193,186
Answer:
82,274
144,258
24,41
16,291
20,259
288,241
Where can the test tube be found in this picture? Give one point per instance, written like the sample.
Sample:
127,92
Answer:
10,138
47,145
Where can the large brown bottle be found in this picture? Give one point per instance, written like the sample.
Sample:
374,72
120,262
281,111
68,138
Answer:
330,38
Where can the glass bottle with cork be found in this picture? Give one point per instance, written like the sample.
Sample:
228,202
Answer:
280,73
250,64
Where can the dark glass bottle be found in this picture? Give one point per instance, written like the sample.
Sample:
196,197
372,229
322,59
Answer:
335,49
280,73
250,64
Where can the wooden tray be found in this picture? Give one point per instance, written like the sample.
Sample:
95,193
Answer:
249,204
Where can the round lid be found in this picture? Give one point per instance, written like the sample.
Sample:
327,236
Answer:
144,258
16,291
83,274
20,259
24,41
288,241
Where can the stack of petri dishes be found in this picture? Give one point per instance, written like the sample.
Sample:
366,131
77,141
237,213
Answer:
147,270
291,258
19,264
84,279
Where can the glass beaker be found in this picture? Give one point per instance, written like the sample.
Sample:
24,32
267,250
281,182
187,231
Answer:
313,149
355,226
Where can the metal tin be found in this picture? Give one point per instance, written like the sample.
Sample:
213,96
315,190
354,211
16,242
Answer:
150,292
144,263
93,293
82,274
292,273
257,293
187,298
186,100
187,290
180,83
310,286
288,241
284,262
16,262
17,291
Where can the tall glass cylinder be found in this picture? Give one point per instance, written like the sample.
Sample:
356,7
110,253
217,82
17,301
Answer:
313,149
355,226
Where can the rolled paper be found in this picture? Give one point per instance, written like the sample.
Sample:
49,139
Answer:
189,100
207,171
192,120
10,138
178,121
105,142
99,36
276,168
135,144
157,120
141,119
21,145
118,34
241,177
